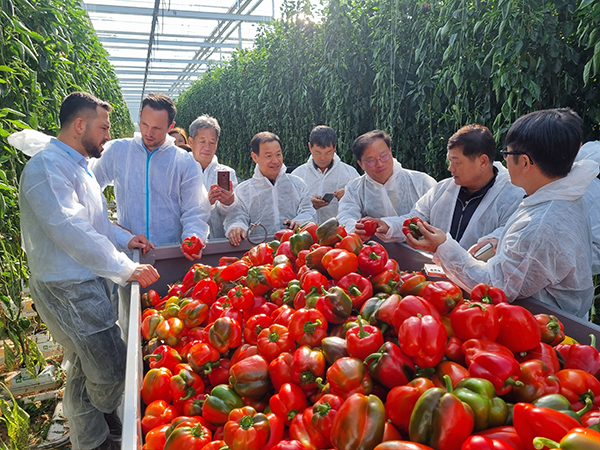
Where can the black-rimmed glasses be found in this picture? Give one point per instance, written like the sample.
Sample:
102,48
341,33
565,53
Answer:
505,154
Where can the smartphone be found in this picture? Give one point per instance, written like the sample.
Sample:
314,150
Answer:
485,252
223,179
328,197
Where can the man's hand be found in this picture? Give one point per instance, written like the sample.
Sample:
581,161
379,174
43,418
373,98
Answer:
140,241
339,193
291,224
236,235
145,274
226,197
359,227
432,238
318,202
476,247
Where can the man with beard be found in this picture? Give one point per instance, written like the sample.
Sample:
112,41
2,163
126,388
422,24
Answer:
72,248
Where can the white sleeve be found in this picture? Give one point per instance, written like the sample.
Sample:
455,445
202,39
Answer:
349,210
305,211
421,209
236,215
195,207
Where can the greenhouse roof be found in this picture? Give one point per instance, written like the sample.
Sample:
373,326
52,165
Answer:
163,46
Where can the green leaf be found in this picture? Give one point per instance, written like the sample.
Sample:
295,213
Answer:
9,356
584,4
7,69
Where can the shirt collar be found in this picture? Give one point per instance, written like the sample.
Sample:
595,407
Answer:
74,154
319,169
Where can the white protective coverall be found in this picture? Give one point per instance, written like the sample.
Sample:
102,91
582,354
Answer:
159,194
591,150
72,247
257,200
320,183
437,208
544,251
217,213
366,197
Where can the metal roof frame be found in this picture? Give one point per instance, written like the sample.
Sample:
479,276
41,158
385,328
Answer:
170,43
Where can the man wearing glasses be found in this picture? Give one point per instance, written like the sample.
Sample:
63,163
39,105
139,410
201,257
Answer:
544,251
386,189
474,202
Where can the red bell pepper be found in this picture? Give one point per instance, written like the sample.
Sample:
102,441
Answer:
261,254
390,366
322,414
339,263
505,433
225,333
283,235
454,352
193,438
441,420
359,423
302,430
552,329
220,372
383,316
511,318
330,232
538,379
533,421
414,285
308,327
335,305
280,370
454,371
192,245
275,340
285,248
543,352
193,314
235,271
358,288
423,339
353,243
584,357
501,370
289,401
334,348
370,227
473,346
443,295
241,298
348,376
363,340
281,275
185,384
277,428
488,294
485,443
169,331
250,377
313,281
202,357
158,413
307,365
254,326
156,385
372,259
258,279
387,281
206,291
575,439
155,439
410,226
475,320
282,315
412,306
314,258
246,429
577,385
401,401
164,356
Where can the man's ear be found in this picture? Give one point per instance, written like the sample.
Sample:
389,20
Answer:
255,157
172,125
79,125
361,166
484,159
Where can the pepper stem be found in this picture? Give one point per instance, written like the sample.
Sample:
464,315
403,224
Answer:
322,409
310,327
246,422
541,442
593,340
375,356
512,382
374,256
354,291
589,403
153,355
362,333
448,382
189,394
274,336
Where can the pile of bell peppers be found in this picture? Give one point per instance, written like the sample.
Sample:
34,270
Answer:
318,340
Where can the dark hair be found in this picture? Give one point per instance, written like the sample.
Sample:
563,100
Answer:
76,103
363,141
261,138
551,137
161,102
323,136
179,130
475,140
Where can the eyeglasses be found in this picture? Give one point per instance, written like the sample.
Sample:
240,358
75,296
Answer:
385,157
506,153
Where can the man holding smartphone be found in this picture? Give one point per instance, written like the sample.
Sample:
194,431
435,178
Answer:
220,180
324,173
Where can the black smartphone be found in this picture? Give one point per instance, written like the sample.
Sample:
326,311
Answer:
328,197
223,179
